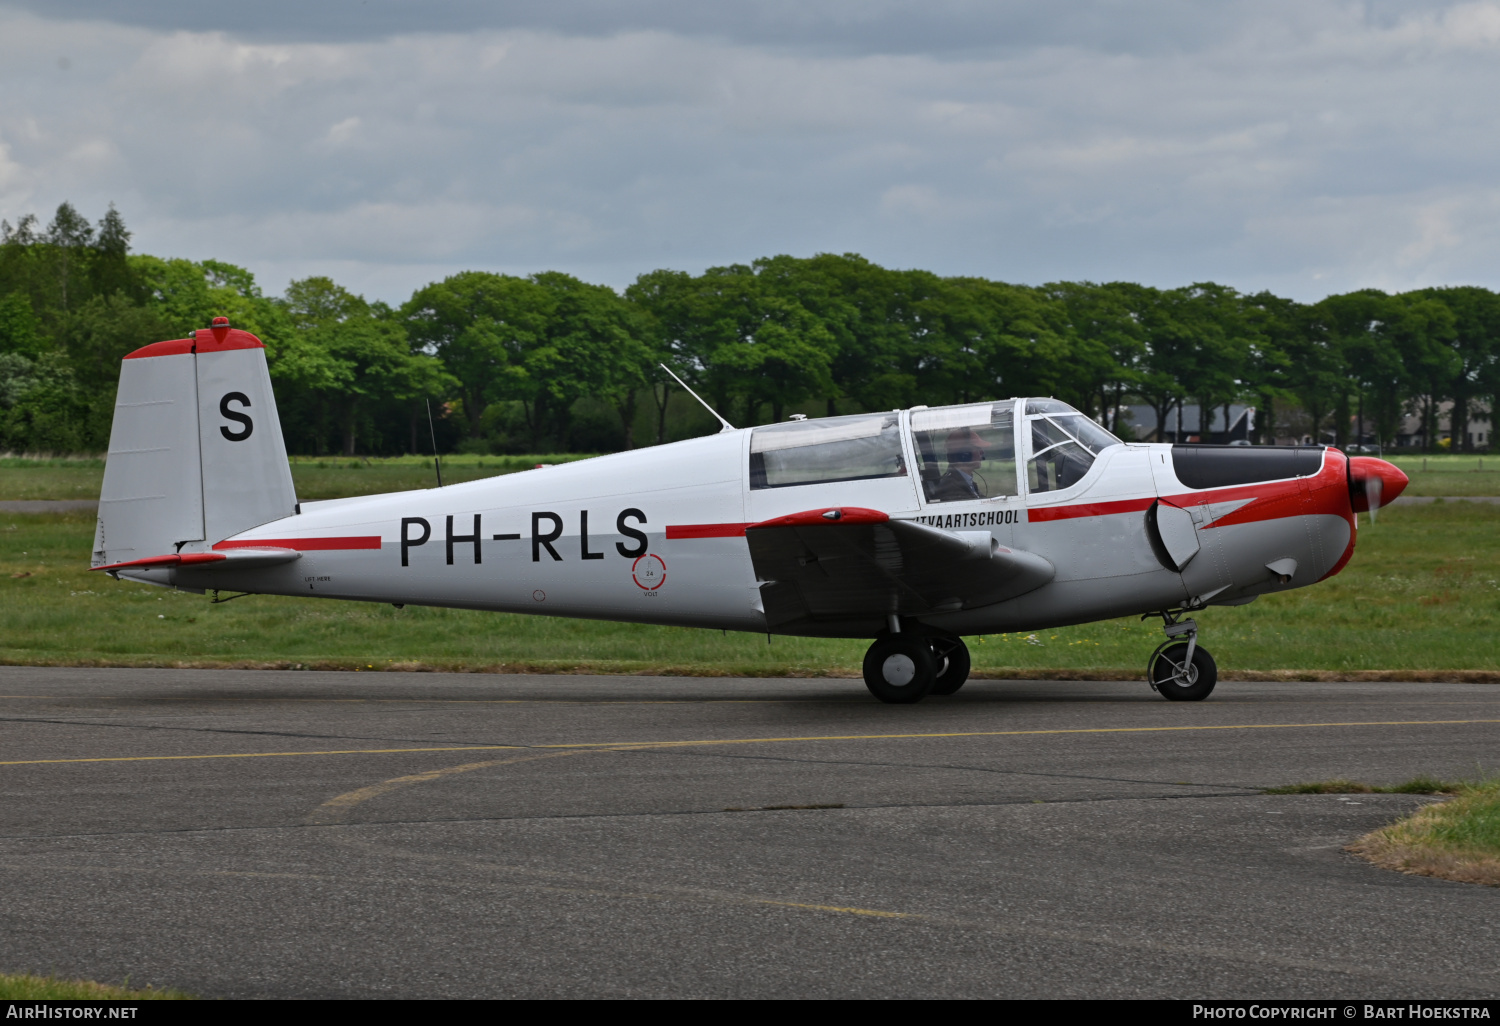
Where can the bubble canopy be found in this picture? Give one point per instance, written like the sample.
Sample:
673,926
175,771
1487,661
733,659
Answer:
966,452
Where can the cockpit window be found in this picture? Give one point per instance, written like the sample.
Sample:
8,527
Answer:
804,452
967,452
1064,444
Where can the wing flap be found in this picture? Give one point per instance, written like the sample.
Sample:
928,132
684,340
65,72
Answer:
854,564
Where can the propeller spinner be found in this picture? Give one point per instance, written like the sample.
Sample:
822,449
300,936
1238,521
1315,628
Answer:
1373,483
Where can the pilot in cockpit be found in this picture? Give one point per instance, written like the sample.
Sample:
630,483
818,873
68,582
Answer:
965,453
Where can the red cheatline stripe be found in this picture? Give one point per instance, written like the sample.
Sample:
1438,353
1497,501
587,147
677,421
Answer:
706,530
1038,514
304,544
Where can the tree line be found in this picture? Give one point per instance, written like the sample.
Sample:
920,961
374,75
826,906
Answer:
550,363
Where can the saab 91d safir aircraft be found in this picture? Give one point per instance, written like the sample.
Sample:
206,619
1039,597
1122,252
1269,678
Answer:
913,527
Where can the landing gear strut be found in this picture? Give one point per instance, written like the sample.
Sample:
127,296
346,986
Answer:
953,664
1179,669
907,667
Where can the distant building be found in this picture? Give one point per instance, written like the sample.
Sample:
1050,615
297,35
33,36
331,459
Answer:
1138,424
1476,435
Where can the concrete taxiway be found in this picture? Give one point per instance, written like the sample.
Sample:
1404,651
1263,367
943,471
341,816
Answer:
270,834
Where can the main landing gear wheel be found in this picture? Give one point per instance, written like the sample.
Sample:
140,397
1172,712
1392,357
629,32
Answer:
952,665
1176,679
900,668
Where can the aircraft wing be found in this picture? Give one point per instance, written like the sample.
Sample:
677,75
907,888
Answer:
828,566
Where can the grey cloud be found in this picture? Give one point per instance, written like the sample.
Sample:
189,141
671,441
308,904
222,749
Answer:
1333,148
858,26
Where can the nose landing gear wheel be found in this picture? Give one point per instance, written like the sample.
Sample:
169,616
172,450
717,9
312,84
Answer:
900,668
1180,681
952,665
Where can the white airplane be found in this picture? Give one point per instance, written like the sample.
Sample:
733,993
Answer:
914,527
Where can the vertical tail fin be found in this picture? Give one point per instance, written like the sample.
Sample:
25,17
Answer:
195,452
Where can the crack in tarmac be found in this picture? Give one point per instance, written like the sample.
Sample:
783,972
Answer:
433,820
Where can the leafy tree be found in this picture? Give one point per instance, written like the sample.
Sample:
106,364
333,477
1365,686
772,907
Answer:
1212,347
20,331
70,238
594,344
1475,344
351,357
867,314
50,413
17,376
743,342
1423,330
1356,324
658,299
1109,342
1160,379
190,295
482,327
1273,322
109,267
1316,373
318,302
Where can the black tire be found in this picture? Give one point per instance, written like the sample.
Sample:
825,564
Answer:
952,665
1202,676
900,668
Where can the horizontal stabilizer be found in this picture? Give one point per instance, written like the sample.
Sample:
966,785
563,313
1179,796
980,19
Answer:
850,564
236,559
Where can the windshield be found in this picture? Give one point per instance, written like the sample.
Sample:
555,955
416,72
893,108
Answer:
804,452
966,452
1064,445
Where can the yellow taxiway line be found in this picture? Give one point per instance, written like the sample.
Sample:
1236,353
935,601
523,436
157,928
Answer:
263,755
758,740
1009,733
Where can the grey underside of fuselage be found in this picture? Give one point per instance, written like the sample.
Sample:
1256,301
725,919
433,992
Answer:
1105,568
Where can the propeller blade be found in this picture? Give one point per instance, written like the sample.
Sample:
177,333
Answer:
1373,487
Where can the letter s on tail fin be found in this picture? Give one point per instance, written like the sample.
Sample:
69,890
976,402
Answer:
195,453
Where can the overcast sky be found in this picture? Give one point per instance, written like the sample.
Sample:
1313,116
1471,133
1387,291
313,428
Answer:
1307,147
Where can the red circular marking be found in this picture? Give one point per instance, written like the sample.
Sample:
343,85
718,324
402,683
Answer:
649,572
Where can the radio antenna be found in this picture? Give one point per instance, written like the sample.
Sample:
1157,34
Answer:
727,426
432,431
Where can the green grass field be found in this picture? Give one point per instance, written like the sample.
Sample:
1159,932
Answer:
1458,839
25,987
1422,593
1450,475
